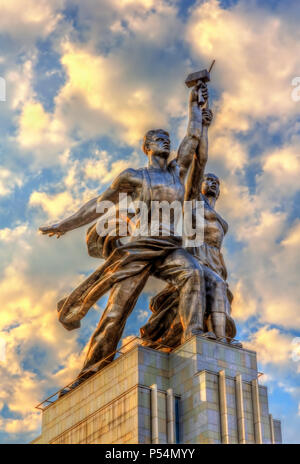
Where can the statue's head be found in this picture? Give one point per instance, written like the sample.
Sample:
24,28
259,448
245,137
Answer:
210,186
157,142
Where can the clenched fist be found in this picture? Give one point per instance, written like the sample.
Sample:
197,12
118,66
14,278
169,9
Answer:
199,93
207,116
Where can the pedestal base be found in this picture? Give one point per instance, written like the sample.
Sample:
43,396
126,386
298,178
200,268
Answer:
202,392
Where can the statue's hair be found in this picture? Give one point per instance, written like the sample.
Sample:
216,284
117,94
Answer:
149,135
207,174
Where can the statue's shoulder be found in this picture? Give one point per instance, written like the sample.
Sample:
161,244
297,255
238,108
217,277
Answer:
132,173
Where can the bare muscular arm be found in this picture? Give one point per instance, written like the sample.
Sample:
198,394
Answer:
189,144
196,174
126,182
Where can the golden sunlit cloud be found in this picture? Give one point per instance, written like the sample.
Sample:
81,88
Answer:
272,346
53,205
97,81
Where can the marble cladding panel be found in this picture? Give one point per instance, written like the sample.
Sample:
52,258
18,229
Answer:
115,423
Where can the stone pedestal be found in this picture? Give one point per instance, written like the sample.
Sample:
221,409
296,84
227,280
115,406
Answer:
203,392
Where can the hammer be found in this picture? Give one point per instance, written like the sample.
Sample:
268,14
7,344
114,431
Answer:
202,76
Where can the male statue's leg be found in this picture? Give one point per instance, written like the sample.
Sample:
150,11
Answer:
106,337
183,271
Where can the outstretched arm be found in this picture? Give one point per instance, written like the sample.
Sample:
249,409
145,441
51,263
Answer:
125,183
189,144
196,174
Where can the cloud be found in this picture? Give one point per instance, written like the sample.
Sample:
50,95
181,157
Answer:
264,272
272,346
28,20
42,133
107,102
101,95
244,304
293,239
142,315
19,80
101,88
8,181
145,4
103,168
281,171
54,205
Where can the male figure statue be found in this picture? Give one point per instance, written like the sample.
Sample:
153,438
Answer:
128,266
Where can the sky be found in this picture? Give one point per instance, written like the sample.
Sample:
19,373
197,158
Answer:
84,81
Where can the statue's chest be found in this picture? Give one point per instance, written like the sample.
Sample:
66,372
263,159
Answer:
209,214
213,220
165,186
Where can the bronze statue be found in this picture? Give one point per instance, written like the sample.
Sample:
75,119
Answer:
128,266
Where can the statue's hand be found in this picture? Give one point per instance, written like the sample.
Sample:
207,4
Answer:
199,94
207,116
52,230
204,91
